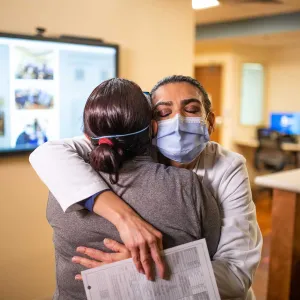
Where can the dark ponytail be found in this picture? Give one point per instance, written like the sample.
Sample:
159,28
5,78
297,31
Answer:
116,107
107,159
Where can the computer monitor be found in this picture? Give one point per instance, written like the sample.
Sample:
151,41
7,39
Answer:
286,123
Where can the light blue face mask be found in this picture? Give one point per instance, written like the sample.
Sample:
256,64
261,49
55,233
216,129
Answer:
182,139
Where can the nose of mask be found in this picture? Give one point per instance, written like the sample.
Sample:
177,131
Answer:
182,139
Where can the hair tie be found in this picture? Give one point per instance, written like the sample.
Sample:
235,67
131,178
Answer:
105,141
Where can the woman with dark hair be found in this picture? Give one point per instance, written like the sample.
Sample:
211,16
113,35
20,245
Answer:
116,106
185,119
117,120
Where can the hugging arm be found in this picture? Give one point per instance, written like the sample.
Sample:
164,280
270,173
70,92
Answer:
62,166
239,249
240,245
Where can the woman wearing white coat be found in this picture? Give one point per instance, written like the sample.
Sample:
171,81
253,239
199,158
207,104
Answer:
176,101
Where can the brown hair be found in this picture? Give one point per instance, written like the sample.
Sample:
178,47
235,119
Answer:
115,107
187,79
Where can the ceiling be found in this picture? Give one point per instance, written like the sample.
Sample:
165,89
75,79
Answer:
283,39
226,12
291,38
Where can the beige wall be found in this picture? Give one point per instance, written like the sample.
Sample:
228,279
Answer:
231,58
282,77
284,80
228,92
282,87
156,38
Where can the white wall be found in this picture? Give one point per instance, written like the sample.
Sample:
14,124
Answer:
156,39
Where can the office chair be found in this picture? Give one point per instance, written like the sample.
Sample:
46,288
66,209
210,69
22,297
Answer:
269,154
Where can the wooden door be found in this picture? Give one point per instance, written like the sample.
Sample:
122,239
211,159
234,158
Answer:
211,78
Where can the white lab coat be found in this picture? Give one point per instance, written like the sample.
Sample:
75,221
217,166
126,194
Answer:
62,166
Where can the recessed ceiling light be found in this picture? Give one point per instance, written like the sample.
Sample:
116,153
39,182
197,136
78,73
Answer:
202,4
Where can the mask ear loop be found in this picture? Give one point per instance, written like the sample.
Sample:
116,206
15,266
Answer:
210,126
206,119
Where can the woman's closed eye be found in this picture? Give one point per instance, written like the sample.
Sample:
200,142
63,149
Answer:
192,109
162,113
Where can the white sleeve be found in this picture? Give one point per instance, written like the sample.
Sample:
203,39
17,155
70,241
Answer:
62,166
239,249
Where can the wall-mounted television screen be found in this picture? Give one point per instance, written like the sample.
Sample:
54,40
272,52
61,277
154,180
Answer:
44,84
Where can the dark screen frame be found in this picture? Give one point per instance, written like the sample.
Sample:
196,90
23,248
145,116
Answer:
79,41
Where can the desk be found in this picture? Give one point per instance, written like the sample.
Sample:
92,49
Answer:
289,147
253,143
284,268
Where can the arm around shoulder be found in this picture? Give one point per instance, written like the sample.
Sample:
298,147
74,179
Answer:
62,166
240,245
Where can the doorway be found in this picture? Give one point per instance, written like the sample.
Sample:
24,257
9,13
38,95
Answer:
211,79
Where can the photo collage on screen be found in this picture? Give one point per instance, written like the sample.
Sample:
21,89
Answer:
35,97
44,86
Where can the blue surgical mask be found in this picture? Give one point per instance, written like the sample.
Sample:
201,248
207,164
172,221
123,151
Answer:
182,139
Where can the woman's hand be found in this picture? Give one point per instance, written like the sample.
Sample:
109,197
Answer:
144,243
100,258
142,240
